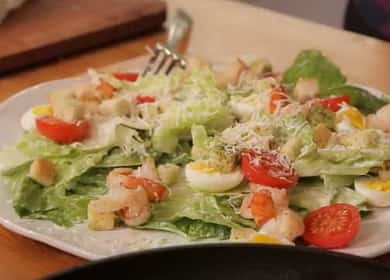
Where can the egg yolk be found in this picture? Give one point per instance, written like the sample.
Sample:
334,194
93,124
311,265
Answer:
42,110
202,166
265,239
355,118
378,185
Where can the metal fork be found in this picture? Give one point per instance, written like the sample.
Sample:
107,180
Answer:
164,57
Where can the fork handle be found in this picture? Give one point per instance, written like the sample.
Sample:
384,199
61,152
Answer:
178,29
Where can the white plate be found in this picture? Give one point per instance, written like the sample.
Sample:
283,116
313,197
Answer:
371,241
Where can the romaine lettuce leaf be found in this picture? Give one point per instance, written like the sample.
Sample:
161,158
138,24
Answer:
156,84
312,193
117,158
191,229
33,145
295,127
176,123
360,98
184,203
341,160
312,64
66,202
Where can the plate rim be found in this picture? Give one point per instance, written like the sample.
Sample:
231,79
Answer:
215,245
78,251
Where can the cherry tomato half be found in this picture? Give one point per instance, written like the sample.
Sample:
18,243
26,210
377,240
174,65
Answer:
62,132
334,103
126,76
268,169
333,226
141,99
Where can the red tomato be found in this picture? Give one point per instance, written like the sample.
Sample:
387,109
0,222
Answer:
126,76
268,169
140,99
262,207
333,226
334,103
155,191
62,132
278,99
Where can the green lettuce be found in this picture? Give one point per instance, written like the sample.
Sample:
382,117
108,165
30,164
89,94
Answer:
205,214
156,84
33,145
177,122
312,64
191,229
117,158
295,127
342,161
66,202
312,193
360,98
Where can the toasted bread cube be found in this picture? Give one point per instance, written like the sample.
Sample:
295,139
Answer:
115,107
43,172
168,173
100,220
306,89
322,135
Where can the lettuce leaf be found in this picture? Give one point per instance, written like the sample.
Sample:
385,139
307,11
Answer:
191,229
295,127
66,202
312,64
204,212
177,123
312,193
117,158
33,145
342,160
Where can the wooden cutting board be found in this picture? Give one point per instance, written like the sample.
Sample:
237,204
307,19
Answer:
45,29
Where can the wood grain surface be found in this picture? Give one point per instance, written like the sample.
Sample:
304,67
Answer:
44,29
221,29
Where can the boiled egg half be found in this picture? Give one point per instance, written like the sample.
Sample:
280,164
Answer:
28,118
202,177
349,119
264,238
375,190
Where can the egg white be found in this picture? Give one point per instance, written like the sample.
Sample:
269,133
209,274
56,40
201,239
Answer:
375,197
345,124
212,181
27,121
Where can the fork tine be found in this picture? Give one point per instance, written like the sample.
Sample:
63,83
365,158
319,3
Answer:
172,64
153,58
166,54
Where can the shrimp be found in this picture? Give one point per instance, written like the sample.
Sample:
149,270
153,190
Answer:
381,119
279,196
148,170
258,206
287,224
117,177
138,210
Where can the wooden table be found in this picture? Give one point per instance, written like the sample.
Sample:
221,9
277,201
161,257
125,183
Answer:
222,29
